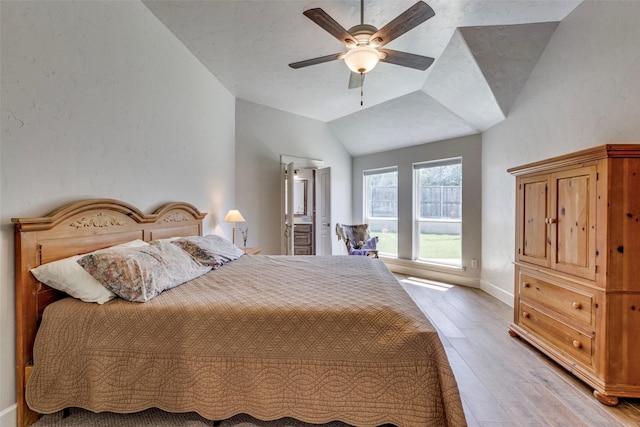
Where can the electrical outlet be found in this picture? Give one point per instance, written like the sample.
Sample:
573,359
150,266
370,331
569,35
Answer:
474,263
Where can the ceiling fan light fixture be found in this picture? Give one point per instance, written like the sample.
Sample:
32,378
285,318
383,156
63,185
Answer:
362,59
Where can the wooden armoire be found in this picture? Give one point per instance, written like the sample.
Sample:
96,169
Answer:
577,265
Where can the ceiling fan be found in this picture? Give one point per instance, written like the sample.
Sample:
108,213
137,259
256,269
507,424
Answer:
364,42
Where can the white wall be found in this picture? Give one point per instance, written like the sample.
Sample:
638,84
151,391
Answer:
99,99
262,135
470,149
583,92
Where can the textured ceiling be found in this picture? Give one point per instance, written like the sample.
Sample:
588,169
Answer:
484,51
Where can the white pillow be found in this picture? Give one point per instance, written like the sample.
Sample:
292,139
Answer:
68,276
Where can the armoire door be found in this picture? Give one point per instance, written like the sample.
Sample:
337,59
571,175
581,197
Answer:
534,245
573,221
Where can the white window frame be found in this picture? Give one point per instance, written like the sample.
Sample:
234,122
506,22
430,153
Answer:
418,221
366,211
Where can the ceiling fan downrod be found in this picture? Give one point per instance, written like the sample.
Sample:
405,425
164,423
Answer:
362,72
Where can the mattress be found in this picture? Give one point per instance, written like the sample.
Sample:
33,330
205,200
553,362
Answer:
314,338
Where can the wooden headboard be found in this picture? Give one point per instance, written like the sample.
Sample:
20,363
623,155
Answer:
75,229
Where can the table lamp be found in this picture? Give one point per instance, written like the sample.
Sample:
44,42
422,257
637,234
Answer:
233,216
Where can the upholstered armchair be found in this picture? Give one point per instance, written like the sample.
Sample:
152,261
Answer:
357,239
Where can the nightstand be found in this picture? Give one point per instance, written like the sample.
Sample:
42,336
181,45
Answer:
252,250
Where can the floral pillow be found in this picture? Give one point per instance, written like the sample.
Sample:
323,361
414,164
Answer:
67,276
139,274
212,250
369,244
372,243
364,247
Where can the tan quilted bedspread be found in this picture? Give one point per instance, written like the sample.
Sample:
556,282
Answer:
314,338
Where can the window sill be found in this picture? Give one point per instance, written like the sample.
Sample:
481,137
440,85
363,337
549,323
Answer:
439,272
423,264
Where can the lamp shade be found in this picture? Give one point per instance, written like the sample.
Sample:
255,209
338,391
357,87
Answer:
233,215
362,59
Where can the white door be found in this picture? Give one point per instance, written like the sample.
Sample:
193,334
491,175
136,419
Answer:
287,241
323,211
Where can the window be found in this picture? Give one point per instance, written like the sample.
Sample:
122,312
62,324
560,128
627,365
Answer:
438,217
381,208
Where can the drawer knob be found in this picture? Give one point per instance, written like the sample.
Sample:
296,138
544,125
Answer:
576,305
525,314
526,284
577,344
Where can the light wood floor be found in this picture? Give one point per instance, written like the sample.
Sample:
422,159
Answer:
504,381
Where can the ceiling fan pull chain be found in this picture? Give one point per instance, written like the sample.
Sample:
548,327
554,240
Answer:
361,88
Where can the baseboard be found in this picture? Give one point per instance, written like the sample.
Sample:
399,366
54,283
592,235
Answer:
431,272
497,292
9,416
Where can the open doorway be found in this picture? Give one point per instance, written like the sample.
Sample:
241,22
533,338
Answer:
305,196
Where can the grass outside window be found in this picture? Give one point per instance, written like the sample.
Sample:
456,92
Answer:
432,246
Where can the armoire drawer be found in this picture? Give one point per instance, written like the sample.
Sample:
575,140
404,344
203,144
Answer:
577,305
568,340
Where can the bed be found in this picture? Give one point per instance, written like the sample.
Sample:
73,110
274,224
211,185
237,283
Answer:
313,338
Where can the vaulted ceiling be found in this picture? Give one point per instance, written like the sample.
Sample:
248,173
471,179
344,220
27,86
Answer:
484,52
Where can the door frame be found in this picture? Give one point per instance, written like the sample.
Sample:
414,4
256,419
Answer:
296,163
322,214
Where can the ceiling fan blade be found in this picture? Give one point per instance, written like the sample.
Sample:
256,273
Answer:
356,80
405,59
315,61
410,18
321,18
